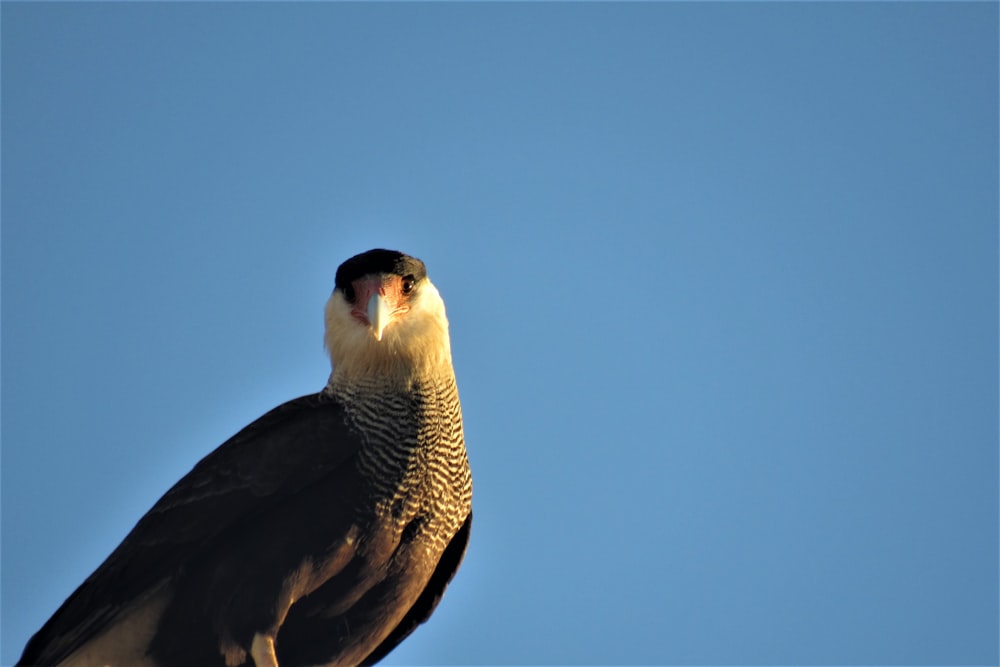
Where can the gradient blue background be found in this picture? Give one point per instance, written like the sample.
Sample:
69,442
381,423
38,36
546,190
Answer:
722,282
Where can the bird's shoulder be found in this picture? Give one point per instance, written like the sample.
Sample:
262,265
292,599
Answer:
289,446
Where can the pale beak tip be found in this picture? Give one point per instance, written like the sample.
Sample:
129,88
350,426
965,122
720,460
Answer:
378,314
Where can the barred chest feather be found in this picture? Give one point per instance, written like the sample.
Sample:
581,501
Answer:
414,458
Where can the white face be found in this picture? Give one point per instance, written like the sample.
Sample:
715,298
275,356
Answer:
394,327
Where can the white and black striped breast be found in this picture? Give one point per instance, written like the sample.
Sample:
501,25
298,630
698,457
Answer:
413,458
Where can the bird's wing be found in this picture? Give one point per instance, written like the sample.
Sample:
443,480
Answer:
287,449
430,597
311,634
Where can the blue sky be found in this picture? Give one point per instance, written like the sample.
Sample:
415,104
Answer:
722,281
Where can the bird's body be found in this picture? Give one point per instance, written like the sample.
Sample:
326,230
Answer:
321,534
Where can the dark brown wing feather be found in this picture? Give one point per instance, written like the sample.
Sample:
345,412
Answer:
318,629
276,456
429,599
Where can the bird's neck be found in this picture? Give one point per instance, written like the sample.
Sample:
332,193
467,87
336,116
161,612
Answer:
350,388
425,416
394,364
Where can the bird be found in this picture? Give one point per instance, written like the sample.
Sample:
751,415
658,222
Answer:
323,533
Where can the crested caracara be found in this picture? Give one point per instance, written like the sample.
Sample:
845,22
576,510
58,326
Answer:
321,534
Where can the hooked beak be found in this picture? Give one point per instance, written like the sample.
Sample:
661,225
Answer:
379,314
380,302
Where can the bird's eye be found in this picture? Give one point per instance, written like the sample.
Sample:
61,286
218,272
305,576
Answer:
408,283
349,293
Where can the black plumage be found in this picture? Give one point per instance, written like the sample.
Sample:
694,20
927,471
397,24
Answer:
321,534
378,261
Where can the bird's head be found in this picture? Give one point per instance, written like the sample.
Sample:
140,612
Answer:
385,319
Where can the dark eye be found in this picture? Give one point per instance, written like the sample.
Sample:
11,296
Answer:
408,283
349,293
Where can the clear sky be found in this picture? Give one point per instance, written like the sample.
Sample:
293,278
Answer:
722,281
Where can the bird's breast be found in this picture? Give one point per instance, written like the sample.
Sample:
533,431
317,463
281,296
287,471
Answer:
417,470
